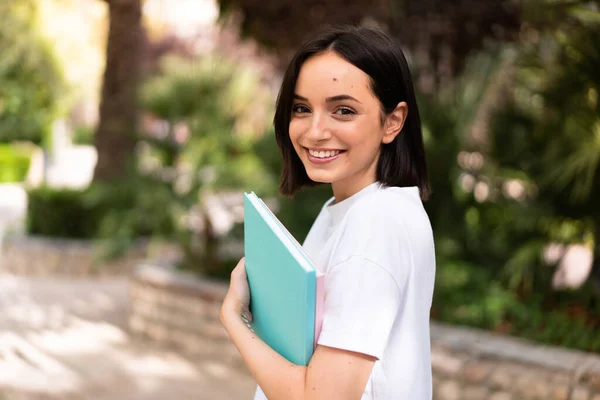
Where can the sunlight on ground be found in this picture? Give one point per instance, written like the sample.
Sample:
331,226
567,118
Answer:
80,337
23,366
59,339
167,365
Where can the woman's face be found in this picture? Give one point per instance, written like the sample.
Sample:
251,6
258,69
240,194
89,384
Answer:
336,124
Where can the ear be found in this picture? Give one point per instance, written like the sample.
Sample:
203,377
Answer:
394,122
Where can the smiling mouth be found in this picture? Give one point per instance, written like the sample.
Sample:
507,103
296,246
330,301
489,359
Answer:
325,154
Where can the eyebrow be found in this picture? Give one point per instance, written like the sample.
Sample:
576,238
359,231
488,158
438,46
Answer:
330,99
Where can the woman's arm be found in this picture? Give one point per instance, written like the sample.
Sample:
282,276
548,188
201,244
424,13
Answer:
331,374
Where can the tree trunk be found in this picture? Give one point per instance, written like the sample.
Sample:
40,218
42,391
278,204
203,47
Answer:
116,133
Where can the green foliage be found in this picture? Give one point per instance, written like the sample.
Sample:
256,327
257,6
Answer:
556,102
468,294
61,213
122,211
222,106
30,79
212,112
128,210
548,132
537,183
83,135
15,160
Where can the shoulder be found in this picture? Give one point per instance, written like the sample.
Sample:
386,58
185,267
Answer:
390,208
382,227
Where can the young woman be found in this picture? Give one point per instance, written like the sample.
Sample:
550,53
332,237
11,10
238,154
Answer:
347,115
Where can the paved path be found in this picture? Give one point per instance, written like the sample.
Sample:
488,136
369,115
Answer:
62,339
68,340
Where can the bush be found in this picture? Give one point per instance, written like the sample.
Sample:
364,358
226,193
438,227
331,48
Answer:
99,212
15,160
214,111
471,295
62,213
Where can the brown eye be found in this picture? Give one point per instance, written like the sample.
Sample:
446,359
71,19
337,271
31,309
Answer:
345,111
300,109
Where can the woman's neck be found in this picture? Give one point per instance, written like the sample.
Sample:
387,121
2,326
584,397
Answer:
343,192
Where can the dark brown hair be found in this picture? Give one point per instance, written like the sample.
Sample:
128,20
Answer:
401,162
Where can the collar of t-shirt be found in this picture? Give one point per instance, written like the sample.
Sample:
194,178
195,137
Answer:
338,210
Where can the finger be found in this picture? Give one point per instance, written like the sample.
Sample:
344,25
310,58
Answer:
248,315
241,263
238,274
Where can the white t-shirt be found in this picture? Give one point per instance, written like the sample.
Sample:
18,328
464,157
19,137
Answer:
377,253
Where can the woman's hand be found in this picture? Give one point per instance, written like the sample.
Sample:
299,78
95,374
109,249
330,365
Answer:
237,300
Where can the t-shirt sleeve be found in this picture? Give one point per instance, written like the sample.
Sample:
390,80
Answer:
361,304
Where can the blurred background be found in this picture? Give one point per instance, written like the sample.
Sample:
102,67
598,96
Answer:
143,121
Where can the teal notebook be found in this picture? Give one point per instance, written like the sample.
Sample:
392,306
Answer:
286,290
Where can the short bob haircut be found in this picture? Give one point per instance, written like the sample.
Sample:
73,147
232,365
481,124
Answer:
402,162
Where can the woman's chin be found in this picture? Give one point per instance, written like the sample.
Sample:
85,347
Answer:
321,178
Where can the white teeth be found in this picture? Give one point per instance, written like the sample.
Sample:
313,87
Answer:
324,154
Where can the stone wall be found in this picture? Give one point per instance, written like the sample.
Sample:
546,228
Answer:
470,364
177,309
182,310
41,256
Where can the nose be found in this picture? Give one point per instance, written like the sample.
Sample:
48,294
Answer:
319,129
